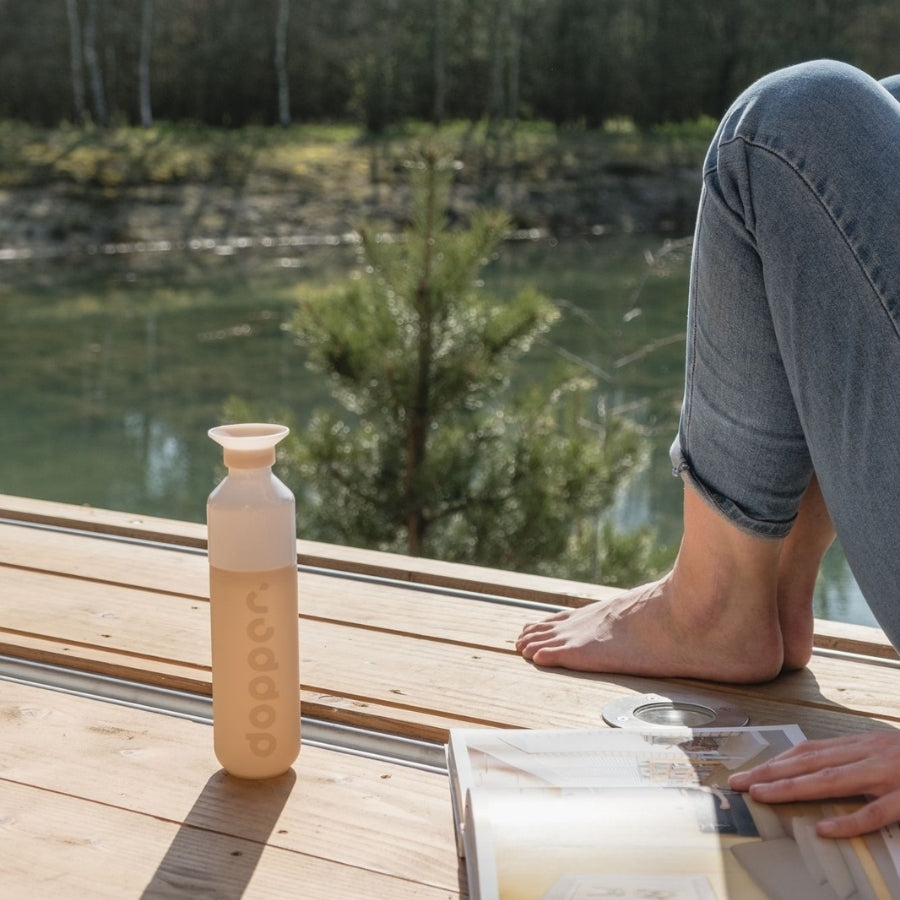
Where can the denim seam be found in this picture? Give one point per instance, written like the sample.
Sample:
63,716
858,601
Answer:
730,510
691,341
882,300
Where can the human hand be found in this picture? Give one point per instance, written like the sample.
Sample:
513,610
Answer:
864,764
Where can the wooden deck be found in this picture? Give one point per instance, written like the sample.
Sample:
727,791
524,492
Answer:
102,799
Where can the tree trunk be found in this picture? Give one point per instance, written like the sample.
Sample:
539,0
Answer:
440,61
146,110
499,29
419,423
75,61
281,72
93,63
512,75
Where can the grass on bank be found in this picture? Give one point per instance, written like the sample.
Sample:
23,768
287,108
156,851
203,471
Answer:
329,156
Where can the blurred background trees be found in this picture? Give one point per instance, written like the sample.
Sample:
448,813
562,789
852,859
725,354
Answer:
380,62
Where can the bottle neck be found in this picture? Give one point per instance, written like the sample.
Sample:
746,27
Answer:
236,460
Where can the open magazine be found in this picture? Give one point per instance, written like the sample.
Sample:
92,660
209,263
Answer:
646,815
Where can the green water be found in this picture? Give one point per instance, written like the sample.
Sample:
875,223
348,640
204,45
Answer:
113,367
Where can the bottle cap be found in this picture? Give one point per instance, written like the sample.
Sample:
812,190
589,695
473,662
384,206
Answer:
250,445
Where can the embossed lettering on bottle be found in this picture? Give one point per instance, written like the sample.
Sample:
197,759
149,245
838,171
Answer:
253,612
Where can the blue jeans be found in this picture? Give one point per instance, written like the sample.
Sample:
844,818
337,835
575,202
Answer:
793,357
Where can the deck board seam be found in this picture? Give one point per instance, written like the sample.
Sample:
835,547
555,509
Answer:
443,640
93,579
24,653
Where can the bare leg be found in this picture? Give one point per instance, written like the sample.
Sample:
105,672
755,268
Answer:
734,608
798,567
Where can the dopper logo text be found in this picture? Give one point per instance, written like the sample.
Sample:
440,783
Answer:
262,688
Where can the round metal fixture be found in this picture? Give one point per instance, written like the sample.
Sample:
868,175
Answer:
683,710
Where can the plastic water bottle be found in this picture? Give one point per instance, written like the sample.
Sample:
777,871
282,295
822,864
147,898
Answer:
253,607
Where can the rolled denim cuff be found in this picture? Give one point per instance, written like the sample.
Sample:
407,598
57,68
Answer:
681,468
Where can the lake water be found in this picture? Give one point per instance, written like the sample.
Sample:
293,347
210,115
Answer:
114,365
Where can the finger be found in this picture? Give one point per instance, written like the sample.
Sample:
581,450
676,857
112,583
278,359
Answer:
850,746
785,766
851,780
806,758
801,787
831,751
870,817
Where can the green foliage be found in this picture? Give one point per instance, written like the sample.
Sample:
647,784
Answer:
436,455
618,560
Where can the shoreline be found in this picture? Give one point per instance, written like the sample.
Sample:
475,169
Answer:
45,215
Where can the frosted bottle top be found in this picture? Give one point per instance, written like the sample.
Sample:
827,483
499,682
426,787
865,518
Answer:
250,445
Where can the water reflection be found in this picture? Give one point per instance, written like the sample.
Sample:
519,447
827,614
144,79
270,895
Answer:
112,370
161,453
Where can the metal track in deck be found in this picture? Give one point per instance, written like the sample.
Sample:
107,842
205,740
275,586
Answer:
198,708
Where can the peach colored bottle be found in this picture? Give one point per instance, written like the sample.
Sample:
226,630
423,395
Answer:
253,607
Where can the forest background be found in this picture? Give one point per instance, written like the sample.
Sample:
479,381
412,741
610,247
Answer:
381,62
141,120
133,125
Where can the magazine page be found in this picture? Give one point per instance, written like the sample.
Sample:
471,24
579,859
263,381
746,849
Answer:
605,757
666,843
586,815
563,844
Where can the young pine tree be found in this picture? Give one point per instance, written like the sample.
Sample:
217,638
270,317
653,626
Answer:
435,455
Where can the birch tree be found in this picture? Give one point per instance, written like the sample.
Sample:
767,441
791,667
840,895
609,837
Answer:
75,60
439,61
500,24
93,63
281,70
146,110
503,95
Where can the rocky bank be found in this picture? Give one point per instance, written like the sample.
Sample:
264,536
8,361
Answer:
60,217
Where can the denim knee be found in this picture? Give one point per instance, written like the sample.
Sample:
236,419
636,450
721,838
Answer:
795,107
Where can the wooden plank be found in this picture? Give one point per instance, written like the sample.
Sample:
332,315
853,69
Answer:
81,558
840,683
95,622
312,553
154,626
380,667
501,689
328,597
102,521
454,576
357,813
411,687
97,558
848,638
58,846
355,712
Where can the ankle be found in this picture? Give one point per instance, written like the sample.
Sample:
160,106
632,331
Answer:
724,587
795,614
733,615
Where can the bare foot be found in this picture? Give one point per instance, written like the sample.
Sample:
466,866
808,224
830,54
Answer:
648,631
735,608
